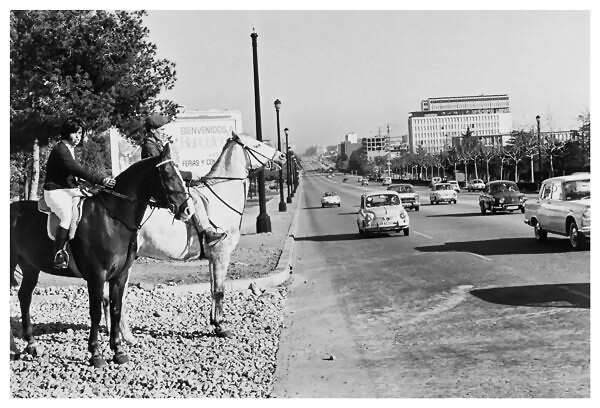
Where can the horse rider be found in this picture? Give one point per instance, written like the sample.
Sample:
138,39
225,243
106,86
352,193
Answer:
152,145
60,185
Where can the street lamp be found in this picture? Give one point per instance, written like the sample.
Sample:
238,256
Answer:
282,205
263,221
537,118
288,166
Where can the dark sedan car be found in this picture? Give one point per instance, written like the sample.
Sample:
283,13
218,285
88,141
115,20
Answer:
501,195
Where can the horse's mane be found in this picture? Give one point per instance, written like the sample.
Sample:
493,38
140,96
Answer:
137,167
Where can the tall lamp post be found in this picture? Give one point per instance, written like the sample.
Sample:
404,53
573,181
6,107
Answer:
537,118
263,221
288,166
282,205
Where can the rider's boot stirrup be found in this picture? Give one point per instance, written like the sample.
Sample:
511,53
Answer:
61,259
213,238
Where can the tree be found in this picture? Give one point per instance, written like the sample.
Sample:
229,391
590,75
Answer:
95,66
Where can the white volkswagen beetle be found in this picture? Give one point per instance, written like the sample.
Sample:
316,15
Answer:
382,211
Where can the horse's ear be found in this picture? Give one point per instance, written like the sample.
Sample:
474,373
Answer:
234,135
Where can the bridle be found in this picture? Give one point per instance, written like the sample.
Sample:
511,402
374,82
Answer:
248,153
168,202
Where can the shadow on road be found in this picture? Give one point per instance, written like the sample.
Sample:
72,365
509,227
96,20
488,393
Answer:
503,246
330,238
461,215
348,213
561,295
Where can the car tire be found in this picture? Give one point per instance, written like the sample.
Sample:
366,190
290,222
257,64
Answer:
406,231
575,239
432,202
339,205
482,208
493,211
522,210
538,232
417,208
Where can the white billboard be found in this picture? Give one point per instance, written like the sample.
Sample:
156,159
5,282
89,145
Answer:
197,139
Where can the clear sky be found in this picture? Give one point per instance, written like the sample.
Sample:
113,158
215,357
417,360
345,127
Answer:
338,71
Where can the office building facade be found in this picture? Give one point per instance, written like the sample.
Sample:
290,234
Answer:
442,122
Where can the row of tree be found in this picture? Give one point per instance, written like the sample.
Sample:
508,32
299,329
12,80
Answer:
94,66
516,160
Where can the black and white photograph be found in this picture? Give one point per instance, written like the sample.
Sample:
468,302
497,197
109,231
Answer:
314,202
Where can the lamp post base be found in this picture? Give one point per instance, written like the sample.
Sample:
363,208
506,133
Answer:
263,223
289,199
282,206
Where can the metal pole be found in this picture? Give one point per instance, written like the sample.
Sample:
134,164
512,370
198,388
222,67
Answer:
537,118
288,166
282,205
263,221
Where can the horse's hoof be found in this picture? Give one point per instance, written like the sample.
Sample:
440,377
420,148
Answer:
98,362
223,333
121,358
34,349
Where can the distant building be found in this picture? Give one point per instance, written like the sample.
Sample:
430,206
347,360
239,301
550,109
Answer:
351,137
346,148
319,150
441,122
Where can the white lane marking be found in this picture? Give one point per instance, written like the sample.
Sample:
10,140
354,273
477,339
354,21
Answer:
575,292
480,256
423,235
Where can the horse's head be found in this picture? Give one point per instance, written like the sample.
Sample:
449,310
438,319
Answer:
258,154
171,191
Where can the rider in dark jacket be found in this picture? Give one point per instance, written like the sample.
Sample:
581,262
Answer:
152,145
60,185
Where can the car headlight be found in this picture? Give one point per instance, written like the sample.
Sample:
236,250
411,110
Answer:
403,215
586,219
523,199
501,200
370,216
416,196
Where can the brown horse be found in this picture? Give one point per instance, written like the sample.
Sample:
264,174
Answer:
104,244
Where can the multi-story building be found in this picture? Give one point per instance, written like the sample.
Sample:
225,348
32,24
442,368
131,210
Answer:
351,137
441,122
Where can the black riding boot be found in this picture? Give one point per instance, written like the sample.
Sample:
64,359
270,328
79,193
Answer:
61,259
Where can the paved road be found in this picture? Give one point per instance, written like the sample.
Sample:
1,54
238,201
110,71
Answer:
466,306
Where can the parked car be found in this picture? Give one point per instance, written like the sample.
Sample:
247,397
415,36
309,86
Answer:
476,185
408,195
364,182
330,199
454,185
382,211
387,181
563,208
442,193
434,181
501,195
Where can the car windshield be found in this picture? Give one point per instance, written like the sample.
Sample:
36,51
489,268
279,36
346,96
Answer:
477,181
576,190
443,187
403,189
504,188
382,199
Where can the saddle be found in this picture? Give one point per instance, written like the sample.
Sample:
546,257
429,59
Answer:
53,219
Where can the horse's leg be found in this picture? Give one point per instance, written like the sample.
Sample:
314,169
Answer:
28,284
117,289
218,261
95,286
125,332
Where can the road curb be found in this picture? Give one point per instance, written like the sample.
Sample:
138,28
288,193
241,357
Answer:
281,273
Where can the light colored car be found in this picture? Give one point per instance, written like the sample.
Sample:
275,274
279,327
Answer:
408,195
330,199
382,211
501,195
454,185
364,182
442,193
387,181
476,185
563,208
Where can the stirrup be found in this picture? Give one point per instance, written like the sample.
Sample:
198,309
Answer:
61,259
216,238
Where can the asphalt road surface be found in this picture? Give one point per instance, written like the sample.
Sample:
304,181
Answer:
468,305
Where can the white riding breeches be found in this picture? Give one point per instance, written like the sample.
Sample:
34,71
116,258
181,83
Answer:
60,202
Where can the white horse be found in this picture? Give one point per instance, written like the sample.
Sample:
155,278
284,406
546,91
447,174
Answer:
223,193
